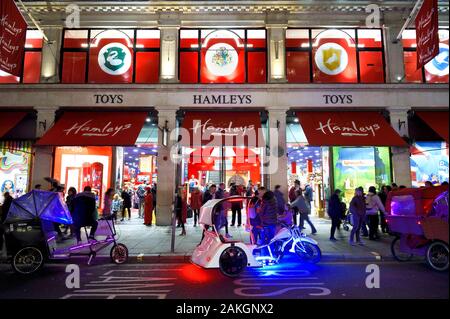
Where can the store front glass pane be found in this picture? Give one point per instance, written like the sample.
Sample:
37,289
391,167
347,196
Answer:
297,67
256,67
360,166
412,74
334,56
147,67
189,39
429,162
147,39
189,67
84,166
74,67
76,39
369,38
15,163
297,38
371,67
32,67
256,38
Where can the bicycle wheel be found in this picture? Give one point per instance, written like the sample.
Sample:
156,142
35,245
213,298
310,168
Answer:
437,256
232,261
312,253
397,253
119,254
27,260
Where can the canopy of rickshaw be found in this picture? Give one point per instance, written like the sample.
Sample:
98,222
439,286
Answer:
413,201
208,209
44,205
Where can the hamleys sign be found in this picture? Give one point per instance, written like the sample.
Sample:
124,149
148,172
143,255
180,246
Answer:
89,128
353,129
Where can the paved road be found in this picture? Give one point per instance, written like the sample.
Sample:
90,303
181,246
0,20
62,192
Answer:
184,280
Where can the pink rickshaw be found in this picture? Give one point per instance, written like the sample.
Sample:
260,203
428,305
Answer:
418,217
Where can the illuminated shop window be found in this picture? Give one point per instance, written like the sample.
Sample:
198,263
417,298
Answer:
334,56
31,71
223,56
435,71
111,56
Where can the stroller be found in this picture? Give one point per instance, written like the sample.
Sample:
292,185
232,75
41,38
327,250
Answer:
347,218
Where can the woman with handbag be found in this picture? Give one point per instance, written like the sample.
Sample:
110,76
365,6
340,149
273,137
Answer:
148,207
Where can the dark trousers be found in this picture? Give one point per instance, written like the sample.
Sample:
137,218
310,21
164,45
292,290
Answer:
94,226
383,223
269,233
335,222
196,213
124,212
294,216
373,226
305,218
180,221
236,210
357,223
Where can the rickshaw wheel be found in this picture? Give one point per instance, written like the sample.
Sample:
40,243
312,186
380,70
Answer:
312,253
119,254
437,256
27,260
397,253
232,261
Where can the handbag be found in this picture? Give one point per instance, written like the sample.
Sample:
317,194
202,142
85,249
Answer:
189,212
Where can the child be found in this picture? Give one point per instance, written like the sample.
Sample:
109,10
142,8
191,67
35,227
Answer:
116,206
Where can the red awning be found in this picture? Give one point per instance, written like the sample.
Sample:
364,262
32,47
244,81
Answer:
222,128
348,129
95,129
438,121
8,120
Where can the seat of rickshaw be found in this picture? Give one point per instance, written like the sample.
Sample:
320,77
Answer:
227,241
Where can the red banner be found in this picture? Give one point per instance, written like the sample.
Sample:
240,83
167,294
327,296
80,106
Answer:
13,31
427,35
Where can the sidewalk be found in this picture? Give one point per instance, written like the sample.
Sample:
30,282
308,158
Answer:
153,244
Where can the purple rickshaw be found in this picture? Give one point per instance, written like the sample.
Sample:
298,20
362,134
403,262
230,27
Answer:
31,237
418,217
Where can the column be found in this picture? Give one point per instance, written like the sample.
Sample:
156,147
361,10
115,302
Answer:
169,54
50,55
400,155
395,70
166,169
277,168
277,56
43,155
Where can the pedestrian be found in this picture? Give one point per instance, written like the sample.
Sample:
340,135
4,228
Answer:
308,194
254,219
428,184
4,209
335,212
236,209
222,219
269,215
394,186
292,195
148,207
249,189
126,197
196,203
304,209
38,186
140,193
383,194
281,203
107,203
84,212
154,191
71,193
357,209
209,194
373,205
116,206
181,210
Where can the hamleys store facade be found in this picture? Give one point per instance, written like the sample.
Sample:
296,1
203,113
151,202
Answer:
278,94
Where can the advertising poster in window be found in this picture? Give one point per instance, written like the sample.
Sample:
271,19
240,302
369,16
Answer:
429,162
14,170
360,166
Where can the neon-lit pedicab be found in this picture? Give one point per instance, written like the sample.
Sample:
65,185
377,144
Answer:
418,217
232,257
31,238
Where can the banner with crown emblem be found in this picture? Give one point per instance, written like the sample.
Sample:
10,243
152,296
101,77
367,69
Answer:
13,30
427,36
223,57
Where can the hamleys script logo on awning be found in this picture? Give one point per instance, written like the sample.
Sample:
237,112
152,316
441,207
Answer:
350,130
88,129
220,131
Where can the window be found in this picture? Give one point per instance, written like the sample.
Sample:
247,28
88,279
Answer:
435,71
223,56
31,71
111,56
334,56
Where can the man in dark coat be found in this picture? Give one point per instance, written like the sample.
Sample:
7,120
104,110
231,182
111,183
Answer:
335,212
126,204
84,212
4,209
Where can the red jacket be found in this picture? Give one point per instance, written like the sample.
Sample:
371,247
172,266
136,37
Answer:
292,195
196,200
